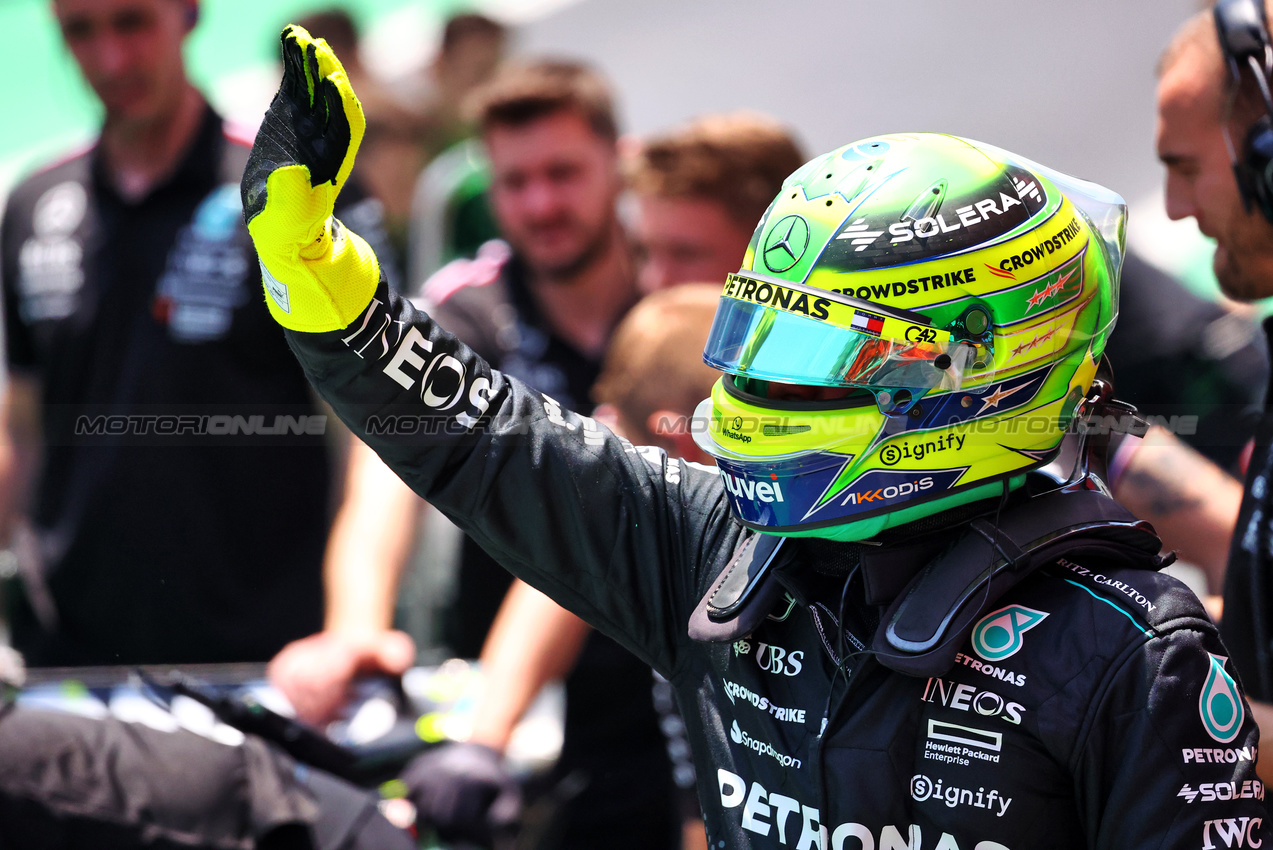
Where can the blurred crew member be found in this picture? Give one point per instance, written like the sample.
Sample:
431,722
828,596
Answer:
178,482
471,50
699,192
1213,133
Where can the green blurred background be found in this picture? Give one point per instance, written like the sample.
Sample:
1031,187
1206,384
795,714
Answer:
48,108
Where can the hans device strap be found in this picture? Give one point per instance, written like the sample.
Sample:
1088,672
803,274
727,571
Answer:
930,620
1245,43
743,594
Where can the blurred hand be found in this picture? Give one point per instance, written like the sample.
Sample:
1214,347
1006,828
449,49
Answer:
463,792
315,672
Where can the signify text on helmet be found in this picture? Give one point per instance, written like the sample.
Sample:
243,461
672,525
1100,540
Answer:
917,449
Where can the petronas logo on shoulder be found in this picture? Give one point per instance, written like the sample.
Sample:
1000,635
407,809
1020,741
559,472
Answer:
998,634
1220,704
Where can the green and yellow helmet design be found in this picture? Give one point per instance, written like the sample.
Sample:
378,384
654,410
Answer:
916,320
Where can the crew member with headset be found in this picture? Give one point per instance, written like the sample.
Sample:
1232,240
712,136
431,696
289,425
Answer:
1215,137
882,622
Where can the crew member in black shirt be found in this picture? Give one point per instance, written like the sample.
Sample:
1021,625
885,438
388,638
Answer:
178,512
1206,111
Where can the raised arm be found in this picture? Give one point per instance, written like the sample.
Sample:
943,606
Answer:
611,532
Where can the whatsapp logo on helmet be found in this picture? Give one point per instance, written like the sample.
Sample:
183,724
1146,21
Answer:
914,323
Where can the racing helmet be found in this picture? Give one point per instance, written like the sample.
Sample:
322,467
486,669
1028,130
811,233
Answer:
916,321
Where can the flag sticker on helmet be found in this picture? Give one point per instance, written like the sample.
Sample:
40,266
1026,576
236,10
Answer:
868,323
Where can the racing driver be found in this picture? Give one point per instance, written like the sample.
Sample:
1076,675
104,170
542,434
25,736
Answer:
890,622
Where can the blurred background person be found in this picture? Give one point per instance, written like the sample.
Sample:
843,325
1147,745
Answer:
1196,365
654,375
1191,502
472,48
1178,354
699,191
1207,121
169,490
450,213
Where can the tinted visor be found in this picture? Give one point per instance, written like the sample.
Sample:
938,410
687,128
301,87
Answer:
801,335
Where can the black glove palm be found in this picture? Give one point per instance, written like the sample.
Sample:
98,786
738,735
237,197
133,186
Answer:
319,277
299,128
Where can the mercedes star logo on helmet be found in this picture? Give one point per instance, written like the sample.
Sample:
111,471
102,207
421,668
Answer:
786,244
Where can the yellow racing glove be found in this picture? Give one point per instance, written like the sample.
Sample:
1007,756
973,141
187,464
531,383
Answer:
318,275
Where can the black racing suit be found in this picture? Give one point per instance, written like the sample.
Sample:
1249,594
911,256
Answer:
1110,722
1248,623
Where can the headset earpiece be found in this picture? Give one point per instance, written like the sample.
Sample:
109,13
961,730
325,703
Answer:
1257,156
1245,43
